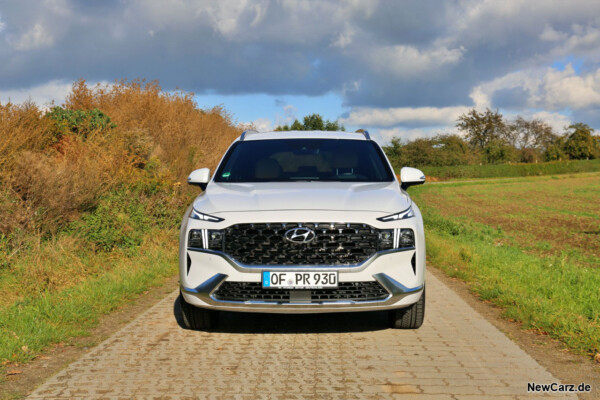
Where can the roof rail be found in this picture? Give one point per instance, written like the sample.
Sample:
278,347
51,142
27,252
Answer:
365,133
248,132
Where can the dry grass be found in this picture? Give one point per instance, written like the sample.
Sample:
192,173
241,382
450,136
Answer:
184,137
22,127
49,177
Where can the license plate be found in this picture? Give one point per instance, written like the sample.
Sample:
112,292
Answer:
299,280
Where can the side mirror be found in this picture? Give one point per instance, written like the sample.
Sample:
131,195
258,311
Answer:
200,177
411,176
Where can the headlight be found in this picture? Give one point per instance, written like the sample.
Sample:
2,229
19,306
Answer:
215,240
386,239
195,238
205,239
204,217
408,213
406,238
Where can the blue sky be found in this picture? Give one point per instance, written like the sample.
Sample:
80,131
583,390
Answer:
399,69
269,111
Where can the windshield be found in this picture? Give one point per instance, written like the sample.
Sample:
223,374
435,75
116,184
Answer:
286,160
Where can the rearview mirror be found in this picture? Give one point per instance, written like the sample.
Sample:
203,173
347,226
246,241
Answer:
199,177
411,176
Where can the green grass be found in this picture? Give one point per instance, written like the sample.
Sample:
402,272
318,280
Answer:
30,325
498,237
512,170
59,287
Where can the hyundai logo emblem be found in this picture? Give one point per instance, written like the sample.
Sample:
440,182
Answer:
300,235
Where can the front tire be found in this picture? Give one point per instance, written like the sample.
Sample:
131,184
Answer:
410,317
197,318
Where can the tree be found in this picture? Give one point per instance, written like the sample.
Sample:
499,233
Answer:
451,150
555,151
312,122
530,134
334,126
482,128
499,151
438,151
580,143
532,138
297,126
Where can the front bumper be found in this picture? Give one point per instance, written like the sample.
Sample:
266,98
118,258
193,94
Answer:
206,270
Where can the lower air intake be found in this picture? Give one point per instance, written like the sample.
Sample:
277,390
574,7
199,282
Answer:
347,291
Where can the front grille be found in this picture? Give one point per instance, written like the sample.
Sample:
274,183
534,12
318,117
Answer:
355,291
334,244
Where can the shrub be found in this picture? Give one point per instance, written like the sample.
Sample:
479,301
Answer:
22,128
56,166
79,122
119,221
183,137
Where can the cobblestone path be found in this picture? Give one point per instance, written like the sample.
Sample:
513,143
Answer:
456,355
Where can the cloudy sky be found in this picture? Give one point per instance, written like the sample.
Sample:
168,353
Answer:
397,68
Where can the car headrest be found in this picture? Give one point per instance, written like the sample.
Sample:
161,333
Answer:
345,159
267,169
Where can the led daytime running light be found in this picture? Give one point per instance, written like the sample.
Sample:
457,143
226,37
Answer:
408,213
204,217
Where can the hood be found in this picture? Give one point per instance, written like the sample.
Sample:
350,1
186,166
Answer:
383,197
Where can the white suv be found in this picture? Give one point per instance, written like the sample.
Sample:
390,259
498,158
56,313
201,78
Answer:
303,222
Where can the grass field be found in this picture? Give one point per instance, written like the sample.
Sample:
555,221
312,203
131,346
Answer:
530,245
29,322
511,170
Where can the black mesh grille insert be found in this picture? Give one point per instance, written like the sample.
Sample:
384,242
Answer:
265,244
355,291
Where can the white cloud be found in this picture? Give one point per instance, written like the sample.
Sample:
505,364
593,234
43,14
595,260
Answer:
53,91
350,87
425,116
557,121
394,64
225,15
408,61
405,134
482,94
561,89
545,88
551,35
35,38
262,124
289,115
344,38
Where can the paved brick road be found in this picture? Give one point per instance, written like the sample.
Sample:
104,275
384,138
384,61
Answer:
455,355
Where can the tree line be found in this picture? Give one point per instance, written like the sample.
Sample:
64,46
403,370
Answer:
489,138
312,122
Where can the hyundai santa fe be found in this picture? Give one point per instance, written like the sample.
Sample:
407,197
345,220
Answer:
303,222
